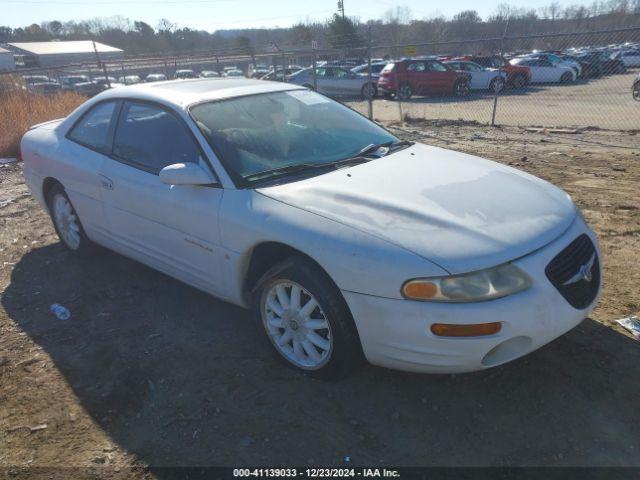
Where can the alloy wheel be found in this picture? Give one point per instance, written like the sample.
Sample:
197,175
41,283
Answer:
296,325
66,221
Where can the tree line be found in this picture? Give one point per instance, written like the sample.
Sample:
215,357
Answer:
396,27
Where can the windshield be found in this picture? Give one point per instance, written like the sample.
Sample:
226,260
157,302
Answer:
260,133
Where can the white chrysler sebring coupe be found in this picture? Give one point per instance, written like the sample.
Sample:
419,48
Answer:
344,240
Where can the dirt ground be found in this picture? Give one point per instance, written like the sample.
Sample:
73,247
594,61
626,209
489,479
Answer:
149,372
605,102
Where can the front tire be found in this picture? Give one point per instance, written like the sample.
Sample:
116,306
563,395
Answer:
636,91
566,77
306,320
67,223
496,84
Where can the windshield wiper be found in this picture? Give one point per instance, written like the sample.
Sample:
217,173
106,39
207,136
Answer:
358,158
295,168
390,147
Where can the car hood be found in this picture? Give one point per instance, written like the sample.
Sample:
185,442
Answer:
461,212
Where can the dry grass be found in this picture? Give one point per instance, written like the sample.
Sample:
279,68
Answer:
21,109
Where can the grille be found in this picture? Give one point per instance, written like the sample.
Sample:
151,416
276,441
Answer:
568,269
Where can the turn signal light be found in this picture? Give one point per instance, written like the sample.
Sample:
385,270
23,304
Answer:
473,330
421,290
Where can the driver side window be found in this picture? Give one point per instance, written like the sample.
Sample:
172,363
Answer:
150,138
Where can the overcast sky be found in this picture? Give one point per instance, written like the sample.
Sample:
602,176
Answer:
222,14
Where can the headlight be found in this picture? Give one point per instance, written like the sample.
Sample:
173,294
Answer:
469,287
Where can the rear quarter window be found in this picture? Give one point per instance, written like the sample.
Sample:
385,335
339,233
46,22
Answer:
93,130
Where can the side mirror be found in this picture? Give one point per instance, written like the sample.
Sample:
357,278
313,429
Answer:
185,174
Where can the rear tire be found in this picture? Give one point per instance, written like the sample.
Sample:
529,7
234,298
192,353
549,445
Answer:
405,92
461,88
636,91
67,223
519,81
306,321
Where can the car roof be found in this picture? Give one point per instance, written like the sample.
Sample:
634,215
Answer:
182,93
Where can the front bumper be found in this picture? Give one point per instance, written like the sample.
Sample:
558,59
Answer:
395,333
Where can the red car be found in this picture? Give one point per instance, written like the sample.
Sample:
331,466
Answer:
518,76
408,77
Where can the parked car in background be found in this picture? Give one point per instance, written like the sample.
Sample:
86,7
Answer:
376,68
280,74
130,80
209,74
603,63
45,88
481,78
233,73
631,58
635,89
557,61
543,71
344,240
107,82
405,78
69,82
517,76
185,73
258,71
155,77
32,79
335,81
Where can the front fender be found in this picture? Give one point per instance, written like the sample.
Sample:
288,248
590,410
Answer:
356,261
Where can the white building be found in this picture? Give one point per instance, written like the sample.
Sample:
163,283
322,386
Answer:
57,53
7,62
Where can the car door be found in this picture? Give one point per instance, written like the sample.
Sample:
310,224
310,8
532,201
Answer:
548,72
346,82
417,77
83,154
479,76
440,79
324,76
173,228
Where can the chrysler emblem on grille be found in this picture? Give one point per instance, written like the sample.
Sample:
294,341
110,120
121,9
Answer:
584,273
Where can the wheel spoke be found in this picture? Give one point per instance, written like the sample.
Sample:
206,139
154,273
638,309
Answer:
298,350
285,338
276,322
295,298
275,306
311,351
308,308
314,324
318,341
282,296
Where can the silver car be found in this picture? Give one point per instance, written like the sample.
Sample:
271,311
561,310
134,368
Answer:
335,81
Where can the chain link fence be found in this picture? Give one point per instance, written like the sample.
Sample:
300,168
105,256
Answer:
575,80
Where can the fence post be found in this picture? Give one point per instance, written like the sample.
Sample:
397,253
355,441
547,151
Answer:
315,78
495,93
284,69
101,65
370,99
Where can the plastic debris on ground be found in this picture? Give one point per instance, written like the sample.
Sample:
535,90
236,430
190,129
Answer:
6,161
60,312
632,324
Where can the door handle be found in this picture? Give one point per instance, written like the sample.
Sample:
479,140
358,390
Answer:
106,182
